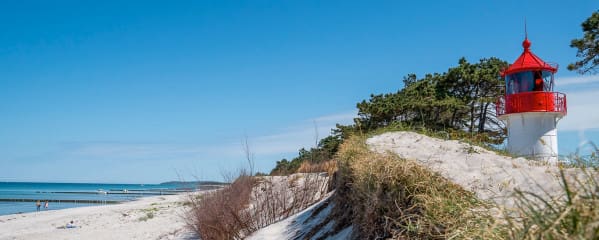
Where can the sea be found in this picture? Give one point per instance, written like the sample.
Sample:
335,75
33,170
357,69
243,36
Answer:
21,197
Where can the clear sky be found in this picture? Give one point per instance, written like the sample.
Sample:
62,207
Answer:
152,91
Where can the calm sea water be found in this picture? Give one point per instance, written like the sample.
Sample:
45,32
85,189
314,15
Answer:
20,197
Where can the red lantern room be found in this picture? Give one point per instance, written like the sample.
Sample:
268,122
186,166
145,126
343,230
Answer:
529,86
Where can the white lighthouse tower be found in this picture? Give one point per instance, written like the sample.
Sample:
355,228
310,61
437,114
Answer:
530,108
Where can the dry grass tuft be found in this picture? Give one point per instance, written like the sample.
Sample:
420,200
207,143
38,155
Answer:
329,167
384,196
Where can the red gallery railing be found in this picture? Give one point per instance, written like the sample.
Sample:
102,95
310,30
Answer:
532,102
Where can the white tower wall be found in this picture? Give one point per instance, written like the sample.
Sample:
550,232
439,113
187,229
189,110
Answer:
533,135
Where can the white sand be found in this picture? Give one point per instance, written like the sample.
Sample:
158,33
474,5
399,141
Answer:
299,225
117,221
488,175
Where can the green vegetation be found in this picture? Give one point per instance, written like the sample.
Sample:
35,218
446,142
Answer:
587,46
149,214
325,151
460,102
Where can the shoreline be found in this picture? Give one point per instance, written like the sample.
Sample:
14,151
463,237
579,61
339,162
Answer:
17,203
152,217
63,203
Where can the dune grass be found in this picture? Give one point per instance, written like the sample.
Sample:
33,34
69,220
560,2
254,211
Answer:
573,214
384,196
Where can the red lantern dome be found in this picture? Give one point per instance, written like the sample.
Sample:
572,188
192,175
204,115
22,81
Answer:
528,61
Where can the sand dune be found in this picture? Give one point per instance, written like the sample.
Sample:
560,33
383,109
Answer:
489,175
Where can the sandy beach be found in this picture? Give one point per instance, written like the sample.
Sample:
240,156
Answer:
158,217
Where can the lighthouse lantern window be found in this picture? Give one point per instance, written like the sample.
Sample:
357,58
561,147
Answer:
528,81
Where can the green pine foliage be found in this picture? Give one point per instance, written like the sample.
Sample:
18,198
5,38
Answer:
587,46
463,98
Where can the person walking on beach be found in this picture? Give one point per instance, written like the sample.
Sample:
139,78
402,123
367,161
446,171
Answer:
46,205
38,204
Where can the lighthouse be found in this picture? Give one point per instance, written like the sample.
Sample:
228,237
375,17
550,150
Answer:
530,108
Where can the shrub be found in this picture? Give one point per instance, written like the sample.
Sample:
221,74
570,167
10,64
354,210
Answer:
219,214
250,203
278,197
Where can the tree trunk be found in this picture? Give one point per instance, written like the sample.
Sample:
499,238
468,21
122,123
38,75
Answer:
453,115
473,109
483,118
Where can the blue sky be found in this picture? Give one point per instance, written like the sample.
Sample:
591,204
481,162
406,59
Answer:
149,91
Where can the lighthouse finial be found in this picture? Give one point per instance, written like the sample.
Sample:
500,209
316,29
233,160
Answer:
525,31
525,43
